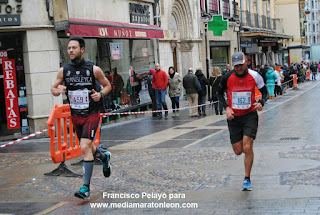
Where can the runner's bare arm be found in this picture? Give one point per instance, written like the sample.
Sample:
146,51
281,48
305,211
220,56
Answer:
57,88
98,74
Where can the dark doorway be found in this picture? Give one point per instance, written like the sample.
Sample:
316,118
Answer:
11,43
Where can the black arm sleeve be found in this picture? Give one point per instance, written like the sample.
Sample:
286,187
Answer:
221,89
264,93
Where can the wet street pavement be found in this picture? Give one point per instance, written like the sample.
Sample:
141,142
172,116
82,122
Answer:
180,162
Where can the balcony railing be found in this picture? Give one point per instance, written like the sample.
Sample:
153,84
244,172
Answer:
224,9
235,10
254,20
264,21
269,23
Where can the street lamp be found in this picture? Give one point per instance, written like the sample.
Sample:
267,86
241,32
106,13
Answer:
205,19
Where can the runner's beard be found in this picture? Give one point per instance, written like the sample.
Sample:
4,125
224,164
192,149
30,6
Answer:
76,60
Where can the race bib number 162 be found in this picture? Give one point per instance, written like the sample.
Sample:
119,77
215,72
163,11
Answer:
241,100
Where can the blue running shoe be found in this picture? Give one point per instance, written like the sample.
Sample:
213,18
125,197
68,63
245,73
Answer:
106,165
84,193
246,185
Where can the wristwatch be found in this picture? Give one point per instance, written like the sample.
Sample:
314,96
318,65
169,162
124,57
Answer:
102,95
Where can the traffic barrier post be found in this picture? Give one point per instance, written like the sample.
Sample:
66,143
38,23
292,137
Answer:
295,82
64,147
308,75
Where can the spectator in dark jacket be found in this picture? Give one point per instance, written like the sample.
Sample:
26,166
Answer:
226,70
152,92
203,91
214,82
192,87
314,68
263,72
287,76
118,85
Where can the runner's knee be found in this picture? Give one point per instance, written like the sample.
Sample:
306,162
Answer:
237,148
247,148
86,146
237,151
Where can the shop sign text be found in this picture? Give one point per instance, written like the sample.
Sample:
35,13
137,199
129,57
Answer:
121,33
11,94
139,14
12,13
3,55
11,8
10,20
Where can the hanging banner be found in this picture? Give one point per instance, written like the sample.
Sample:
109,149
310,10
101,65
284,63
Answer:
116,50
3,55
11,94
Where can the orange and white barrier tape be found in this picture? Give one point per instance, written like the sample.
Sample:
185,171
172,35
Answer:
24,138
154,111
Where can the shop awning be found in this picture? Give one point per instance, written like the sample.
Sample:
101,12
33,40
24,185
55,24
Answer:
106,29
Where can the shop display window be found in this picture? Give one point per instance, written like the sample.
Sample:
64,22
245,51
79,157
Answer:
219,57
125,62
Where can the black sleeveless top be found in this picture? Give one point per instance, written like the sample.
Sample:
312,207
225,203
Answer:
79,80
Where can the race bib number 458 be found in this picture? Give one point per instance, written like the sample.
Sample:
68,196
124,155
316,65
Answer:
241,100
79,99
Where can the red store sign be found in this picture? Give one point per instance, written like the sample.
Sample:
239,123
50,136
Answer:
107,29
3,55
11,94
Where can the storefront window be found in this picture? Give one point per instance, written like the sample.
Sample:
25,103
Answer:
219,57
117,58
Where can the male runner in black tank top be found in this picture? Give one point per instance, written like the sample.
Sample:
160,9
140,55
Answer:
79,77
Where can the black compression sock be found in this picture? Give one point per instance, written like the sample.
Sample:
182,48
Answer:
247,178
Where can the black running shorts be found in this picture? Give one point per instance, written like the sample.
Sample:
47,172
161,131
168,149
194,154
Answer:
86,126
246,125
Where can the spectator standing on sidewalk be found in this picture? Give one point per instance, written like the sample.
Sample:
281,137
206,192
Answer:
160,83
277,89
174,86
118,85
241,109
314,69
203,92
227,69
214,82
192,87
271,79
152,92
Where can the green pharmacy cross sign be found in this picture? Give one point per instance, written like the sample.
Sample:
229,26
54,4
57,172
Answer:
217,25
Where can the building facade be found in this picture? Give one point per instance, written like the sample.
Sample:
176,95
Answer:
31,42
312,22
262,33
221,47
181,46
119,35
295,49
